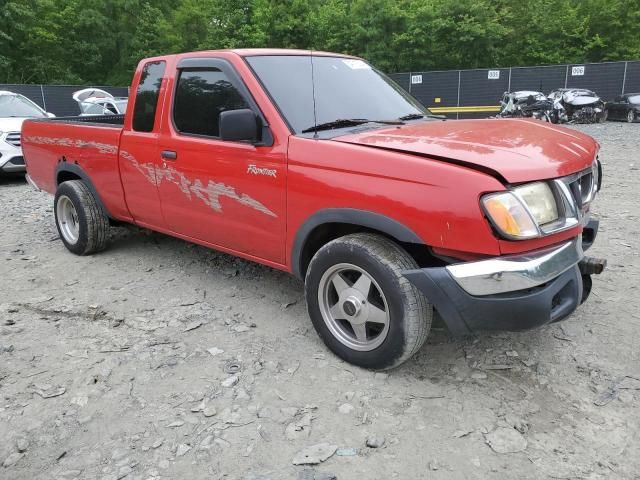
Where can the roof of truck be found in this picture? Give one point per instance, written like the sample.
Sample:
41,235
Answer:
247,52
251,52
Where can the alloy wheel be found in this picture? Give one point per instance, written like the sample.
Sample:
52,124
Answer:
354,307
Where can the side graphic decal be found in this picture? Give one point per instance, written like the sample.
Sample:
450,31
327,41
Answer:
209,194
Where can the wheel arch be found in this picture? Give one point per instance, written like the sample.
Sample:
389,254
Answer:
66,171
329,224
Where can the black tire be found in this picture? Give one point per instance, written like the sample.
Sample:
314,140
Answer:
604,116
631,116
92,222
410,314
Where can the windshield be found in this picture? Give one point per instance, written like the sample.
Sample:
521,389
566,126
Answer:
345,88
18,106
635,99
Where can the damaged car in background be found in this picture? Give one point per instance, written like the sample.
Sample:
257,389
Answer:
94,101
577,105
527,104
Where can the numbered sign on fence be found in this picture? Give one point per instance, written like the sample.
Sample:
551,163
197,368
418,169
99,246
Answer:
577,71
493,75
416,79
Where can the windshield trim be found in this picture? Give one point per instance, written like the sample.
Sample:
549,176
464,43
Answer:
369,126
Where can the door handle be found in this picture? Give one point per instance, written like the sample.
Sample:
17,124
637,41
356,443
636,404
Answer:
169,155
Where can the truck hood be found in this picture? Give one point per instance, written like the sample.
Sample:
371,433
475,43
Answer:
11,124
513,150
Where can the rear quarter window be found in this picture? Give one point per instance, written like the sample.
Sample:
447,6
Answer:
144,111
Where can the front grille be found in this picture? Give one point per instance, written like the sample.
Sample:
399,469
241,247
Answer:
582,188
13,138
573,194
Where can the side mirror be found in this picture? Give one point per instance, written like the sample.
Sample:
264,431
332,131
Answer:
50,115
239,125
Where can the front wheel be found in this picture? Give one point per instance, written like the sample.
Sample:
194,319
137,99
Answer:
82,224
362,306
631,116
604,116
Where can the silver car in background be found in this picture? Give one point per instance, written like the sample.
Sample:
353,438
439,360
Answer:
15,109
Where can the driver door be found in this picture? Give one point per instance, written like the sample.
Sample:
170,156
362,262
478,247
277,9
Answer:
225,193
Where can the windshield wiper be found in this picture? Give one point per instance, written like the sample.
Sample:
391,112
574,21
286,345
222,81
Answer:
417,116
348,122
411,116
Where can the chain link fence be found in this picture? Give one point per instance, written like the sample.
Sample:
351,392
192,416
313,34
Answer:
477,93
454,93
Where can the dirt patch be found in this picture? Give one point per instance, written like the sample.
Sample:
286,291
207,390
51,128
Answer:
161,359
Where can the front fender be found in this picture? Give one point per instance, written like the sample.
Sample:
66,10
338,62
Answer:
351,216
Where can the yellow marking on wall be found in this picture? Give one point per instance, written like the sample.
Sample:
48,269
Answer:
487,108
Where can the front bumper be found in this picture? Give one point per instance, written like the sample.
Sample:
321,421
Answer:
516,292
11,159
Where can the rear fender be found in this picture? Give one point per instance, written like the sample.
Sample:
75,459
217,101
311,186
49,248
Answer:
74,169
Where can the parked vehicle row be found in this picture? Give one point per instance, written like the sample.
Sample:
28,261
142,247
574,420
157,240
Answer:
569,105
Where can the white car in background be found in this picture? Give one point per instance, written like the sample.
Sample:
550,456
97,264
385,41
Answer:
15,109
93,101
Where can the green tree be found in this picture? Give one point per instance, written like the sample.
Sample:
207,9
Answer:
101,41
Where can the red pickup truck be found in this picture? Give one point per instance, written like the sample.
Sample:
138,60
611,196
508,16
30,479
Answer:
319,165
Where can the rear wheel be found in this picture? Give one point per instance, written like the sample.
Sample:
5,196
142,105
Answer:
362,306
631,116
82,224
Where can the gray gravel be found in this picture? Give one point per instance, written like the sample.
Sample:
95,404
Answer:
161,359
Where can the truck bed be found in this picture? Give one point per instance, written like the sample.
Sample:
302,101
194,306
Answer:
96,120
61,148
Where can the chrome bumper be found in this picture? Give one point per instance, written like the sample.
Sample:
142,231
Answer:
516,272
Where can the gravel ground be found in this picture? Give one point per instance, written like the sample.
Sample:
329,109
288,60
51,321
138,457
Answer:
161,359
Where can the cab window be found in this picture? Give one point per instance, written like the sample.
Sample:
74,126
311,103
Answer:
201,95
144,111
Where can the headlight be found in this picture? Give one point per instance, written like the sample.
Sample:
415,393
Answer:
540,200
520,213
509,216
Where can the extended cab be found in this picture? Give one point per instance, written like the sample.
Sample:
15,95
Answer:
319,165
